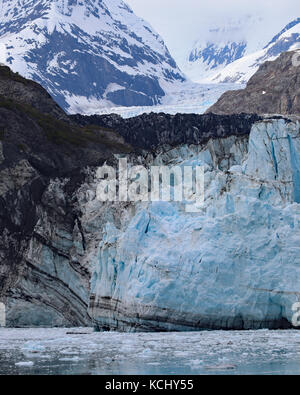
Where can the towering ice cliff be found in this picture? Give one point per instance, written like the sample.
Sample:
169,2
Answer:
236,264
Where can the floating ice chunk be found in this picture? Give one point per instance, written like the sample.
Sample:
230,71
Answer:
25,363
220,367
146,353
196,363
68,351
33,347
71,359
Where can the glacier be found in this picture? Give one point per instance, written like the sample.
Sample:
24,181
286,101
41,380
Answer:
234,265
181,97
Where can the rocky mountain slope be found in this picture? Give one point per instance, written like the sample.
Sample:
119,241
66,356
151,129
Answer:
86,53
68,259
274,89
43,280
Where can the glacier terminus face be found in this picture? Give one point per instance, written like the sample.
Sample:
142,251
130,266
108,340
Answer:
234,265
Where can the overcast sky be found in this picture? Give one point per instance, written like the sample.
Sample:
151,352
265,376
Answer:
181,22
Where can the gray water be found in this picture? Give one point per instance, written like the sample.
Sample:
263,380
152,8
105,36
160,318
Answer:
80,351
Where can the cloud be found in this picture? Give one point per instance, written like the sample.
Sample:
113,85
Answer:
181,22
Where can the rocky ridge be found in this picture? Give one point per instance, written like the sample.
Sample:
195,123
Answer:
274,89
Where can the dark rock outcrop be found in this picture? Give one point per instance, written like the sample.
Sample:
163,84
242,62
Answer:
42,278
15,87
274,89
148,131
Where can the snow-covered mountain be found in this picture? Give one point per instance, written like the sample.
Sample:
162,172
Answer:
86,52
223,44
234,52
212,56
242,70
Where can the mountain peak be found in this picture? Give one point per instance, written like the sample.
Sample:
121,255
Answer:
224,44
285,29
85,52
288,39
233,52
